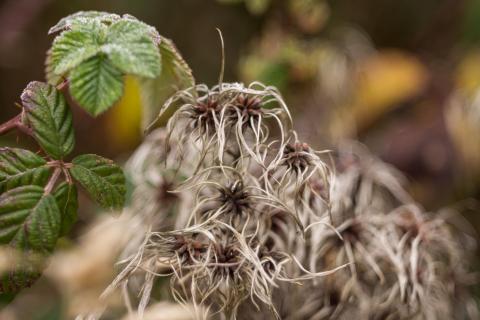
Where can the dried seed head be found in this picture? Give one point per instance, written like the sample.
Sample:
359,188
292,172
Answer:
249,197
235,198
247,108
403,263
189,249
203,115
297,156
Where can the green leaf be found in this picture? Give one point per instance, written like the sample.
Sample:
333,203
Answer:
131,49
22,270
67,201
103,180
176,75
151,31
96,50
96,84
72,47
19,167
51,77
17,279
81,17
29,219
130,44
50,118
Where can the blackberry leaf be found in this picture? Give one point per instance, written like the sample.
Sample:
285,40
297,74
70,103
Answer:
131,49
81,17
74,46
19,167
103,179
29,219
96,84
50,118
67,201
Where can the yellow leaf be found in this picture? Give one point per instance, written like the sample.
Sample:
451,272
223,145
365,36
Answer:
124,119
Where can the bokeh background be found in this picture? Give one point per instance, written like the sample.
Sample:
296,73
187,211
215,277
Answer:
402,77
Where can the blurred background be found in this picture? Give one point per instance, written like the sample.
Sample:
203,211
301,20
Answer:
402,77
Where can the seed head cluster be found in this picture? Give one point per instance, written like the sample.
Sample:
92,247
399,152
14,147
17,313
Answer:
247,221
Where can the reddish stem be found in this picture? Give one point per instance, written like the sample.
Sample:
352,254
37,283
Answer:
15,123
10,124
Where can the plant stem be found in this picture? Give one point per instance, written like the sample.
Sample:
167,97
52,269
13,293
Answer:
10,124
15,123
63,85
67,175
53,179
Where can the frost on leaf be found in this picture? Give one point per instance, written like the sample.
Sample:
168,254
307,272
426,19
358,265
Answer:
95,49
